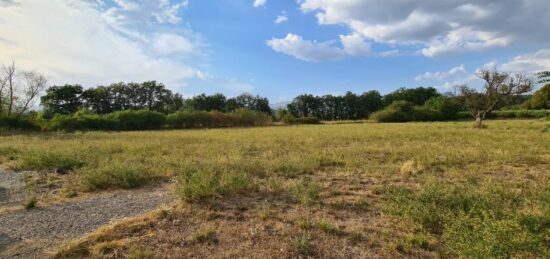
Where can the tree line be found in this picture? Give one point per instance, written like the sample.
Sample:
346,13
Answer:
149,95
20,92
351,106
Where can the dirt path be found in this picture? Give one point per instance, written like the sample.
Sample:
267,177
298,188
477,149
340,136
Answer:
28,234
12,189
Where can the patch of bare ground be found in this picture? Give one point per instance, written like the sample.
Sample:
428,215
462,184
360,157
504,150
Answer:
31,233
341,222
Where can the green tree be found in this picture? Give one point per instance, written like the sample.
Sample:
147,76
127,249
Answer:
544,77
203,102
417,96
540,100
500,89
62,99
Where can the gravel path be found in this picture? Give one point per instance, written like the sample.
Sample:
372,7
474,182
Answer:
28,234
12,189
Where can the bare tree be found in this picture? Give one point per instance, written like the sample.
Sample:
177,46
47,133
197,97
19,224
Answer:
9,82
500,89
33,84
19,90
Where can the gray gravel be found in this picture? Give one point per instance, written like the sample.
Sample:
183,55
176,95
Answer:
49,226
12,189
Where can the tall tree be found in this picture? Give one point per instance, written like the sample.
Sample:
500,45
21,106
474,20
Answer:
499,90
544,77
19,90
64,99
418,95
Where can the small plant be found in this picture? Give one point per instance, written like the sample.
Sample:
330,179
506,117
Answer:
140,253
74,250
206,235
327,227
306,192
302,244
69,191
355,237
411,167
304,223
31,202
264,213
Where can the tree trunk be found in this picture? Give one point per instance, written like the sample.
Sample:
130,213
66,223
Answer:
478,124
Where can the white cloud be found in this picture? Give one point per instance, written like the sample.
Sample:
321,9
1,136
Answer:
355,45
80,42
529,63
168,43
258,3
295,45
283,17
447,80
441,75
438,27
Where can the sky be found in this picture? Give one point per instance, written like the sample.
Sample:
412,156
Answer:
275,48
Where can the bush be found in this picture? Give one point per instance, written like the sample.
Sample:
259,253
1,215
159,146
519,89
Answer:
189,119
289,119
248,118
202,119
527,114
540,100
126,176
403,111
18,123
449,107
81,122
50,161
138,120
201,183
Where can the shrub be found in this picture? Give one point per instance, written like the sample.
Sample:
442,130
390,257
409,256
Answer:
398,111
289,119
527,114
248,118
202,119
205,182
448,107
306,192
126,176
18,123
138,120
44,160
82,122
540,100
403,111
189,119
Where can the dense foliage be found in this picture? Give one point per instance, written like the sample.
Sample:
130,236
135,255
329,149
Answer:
148,95
540,100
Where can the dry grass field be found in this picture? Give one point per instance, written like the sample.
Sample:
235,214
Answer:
332,191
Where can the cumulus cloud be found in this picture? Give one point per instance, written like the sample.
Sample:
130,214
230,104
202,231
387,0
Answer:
441,75
447,80
283,17
438,27
529,63
98,42
258,3
307,50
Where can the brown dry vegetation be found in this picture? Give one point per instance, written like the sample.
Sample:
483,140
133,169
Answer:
336,191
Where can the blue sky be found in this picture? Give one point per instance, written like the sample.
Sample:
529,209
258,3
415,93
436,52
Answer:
275,48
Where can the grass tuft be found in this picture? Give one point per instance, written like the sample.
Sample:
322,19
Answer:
306,192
